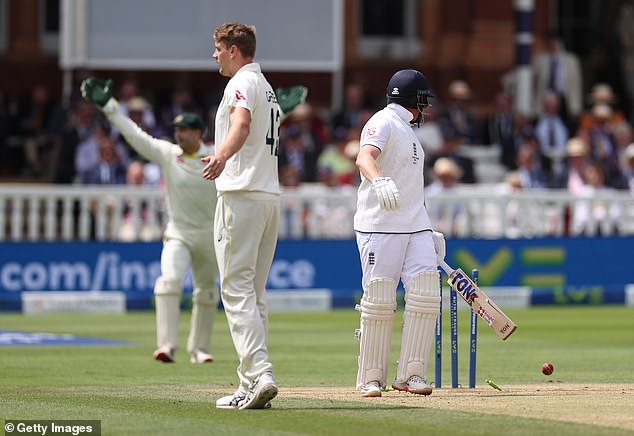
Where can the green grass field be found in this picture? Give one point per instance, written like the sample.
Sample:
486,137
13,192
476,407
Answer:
314,357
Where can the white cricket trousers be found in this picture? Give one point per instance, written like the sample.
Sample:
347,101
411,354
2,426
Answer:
245,236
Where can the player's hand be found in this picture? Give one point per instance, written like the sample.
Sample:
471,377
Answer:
387,193
213,168
97,91
439,244
289,98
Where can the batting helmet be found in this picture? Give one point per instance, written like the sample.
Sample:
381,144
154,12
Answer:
409,88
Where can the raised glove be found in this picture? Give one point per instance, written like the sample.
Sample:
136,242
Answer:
289,98
97,91
387,193
439,244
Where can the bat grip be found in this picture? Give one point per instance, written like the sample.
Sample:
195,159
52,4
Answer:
441,262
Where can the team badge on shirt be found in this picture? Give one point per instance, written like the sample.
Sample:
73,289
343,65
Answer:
239,96
371,131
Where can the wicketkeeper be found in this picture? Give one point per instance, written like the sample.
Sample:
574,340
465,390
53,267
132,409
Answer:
395,240
188,237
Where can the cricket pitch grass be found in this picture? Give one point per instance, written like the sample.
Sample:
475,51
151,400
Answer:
591,391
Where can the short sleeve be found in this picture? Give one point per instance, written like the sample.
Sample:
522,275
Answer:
376,132
241,93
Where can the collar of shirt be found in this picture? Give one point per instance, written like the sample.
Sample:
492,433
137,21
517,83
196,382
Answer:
253,66
403,113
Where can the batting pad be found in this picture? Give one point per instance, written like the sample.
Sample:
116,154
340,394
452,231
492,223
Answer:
377,314
422,303
204,308
167,297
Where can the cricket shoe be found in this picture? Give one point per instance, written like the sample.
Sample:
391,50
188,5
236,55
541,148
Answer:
262,390
233,401
371,389
414,385
165,354
201,356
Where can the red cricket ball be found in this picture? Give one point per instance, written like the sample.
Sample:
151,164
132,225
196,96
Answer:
547,368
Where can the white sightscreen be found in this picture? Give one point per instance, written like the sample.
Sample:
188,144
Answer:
293,35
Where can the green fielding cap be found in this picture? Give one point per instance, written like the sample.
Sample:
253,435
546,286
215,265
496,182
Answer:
190,120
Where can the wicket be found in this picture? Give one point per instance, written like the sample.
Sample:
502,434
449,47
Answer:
473,339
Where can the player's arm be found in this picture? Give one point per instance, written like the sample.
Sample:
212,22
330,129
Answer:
240,125
290,98
386,191
99,92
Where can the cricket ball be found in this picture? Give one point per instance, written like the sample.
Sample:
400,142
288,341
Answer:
547,368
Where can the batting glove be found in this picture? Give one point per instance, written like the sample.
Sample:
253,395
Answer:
387,193
439,244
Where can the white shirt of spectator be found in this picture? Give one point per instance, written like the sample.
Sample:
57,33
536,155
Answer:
254,167
402,158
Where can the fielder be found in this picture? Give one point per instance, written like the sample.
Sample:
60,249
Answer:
395,240
188,237
248,208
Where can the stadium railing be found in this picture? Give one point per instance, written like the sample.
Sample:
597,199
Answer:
115,213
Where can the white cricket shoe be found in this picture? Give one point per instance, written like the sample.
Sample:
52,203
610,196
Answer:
415,385
231,401
201,356
262,390
371,389
165,354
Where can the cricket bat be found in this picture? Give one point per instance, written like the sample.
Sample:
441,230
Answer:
480,302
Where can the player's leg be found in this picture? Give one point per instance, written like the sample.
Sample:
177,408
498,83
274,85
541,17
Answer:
175,259
422,303
381,259
204,299
264,261
240,222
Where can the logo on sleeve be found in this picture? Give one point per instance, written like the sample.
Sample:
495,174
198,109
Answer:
239,96
371,131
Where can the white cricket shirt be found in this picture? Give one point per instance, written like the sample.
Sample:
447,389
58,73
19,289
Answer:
254,166
187,193
402,158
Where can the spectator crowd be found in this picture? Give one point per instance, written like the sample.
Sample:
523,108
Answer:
571,141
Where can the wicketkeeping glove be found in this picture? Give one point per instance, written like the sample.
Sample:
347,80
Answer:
289,98
97,91
387,193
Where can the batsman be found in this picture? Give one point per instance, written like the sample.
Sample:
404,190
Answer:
396,241
188,237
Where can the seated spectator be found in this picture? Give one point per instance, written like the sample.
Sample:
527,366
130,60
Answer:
128,90
595,215
295,152
334,166
30,127
601,94
449,149
312,128
602,143
110,169
552,136
578,158
447,217
528,165
499,132
78,128
88,152
457,120
180,100
355,102
628,167
137,223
